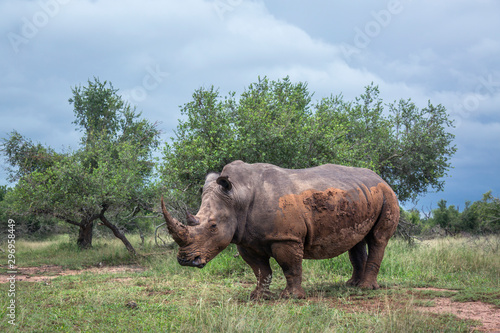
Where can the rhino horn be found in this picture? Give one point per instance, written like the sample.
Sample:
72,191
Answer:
191,219
179,231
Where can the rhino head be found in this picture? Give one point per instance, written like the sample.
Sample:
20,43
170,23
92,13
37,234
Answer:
211,230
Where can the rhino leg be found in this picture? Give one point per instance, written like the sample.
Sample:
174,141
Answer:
377,240
358,257
261,269
289,256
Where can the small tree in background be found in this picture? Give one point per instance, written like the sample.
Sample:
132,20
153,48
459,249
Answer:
109,175
489,211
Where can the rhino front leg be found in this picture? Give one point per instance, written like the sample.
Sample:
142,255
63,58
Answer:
289,256
261,269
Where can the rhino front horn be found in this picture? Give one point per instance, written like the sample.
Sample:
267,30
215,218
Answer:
179,231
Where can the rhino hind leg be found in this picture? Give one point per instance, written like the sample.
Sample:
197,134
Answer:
262,270
377,240
358,257
289,256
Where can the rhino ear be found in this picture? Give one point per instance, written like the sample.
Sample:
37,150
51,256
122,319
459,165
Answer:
224,182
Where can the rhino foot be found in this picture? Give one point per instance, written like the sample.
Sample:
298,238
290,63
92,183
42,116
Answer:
259,294
369,285
297,292
353,282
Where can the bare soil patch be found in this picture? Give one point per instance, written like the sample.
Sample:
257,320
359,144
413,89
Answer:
436,289
487,314
49,272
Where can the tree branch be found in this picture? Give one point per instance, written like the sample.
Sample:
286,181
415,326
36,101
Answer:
116,231
58,216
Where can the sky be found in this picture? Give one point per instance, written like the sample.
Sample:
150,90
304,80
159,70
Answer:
158,52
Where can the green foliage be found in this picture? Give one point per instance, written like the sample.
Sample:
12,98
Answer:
3,191
478,217
74,190
269,121
276,122
97,109
26,157
110,173
488,210
420,149
444,216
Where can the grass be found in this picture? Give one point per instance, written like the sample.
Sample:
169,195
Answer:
62,250
172,298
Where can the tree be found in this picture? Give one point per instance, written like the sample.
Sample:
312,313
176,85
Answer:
482,216
418,156
109,175
3,191
469,218
488,210
276,122
446,217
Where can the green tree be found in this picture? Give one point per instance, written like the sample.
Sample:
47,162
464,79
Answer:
488,209
3,191
109,175
271,121
482,216
469,218
417,157
446,217
276,122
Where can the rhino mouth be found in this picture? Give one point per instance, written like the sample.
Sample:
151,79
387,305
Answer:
197,262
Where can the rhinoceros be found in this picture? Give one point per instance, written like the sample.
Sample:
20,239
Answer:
290,215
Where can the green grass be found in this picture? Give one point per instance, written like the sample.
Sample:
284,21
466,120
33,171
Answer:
216,299
62,250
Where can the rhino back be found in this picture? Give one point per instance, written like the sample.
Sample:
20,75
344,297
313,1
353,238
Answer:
272,182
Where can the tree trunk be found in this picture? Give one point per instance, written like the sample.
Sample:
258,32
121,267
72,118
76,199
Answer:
118,234
84,240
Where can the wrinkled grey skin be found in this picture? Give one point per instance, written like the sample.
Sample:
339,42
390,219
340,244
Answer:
290,215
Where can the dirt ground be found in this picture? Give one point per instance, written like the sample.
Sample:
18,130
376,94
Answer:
49,272
487,314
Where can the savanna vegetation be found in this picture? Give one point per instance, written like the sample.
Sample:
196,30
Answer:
153,293
69,206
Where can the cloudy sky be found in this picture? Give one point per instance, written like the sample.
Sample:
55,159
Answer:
157,52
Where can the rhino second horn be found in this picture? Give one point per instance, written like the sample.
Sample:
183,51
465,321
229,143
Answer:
179,231
191,219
